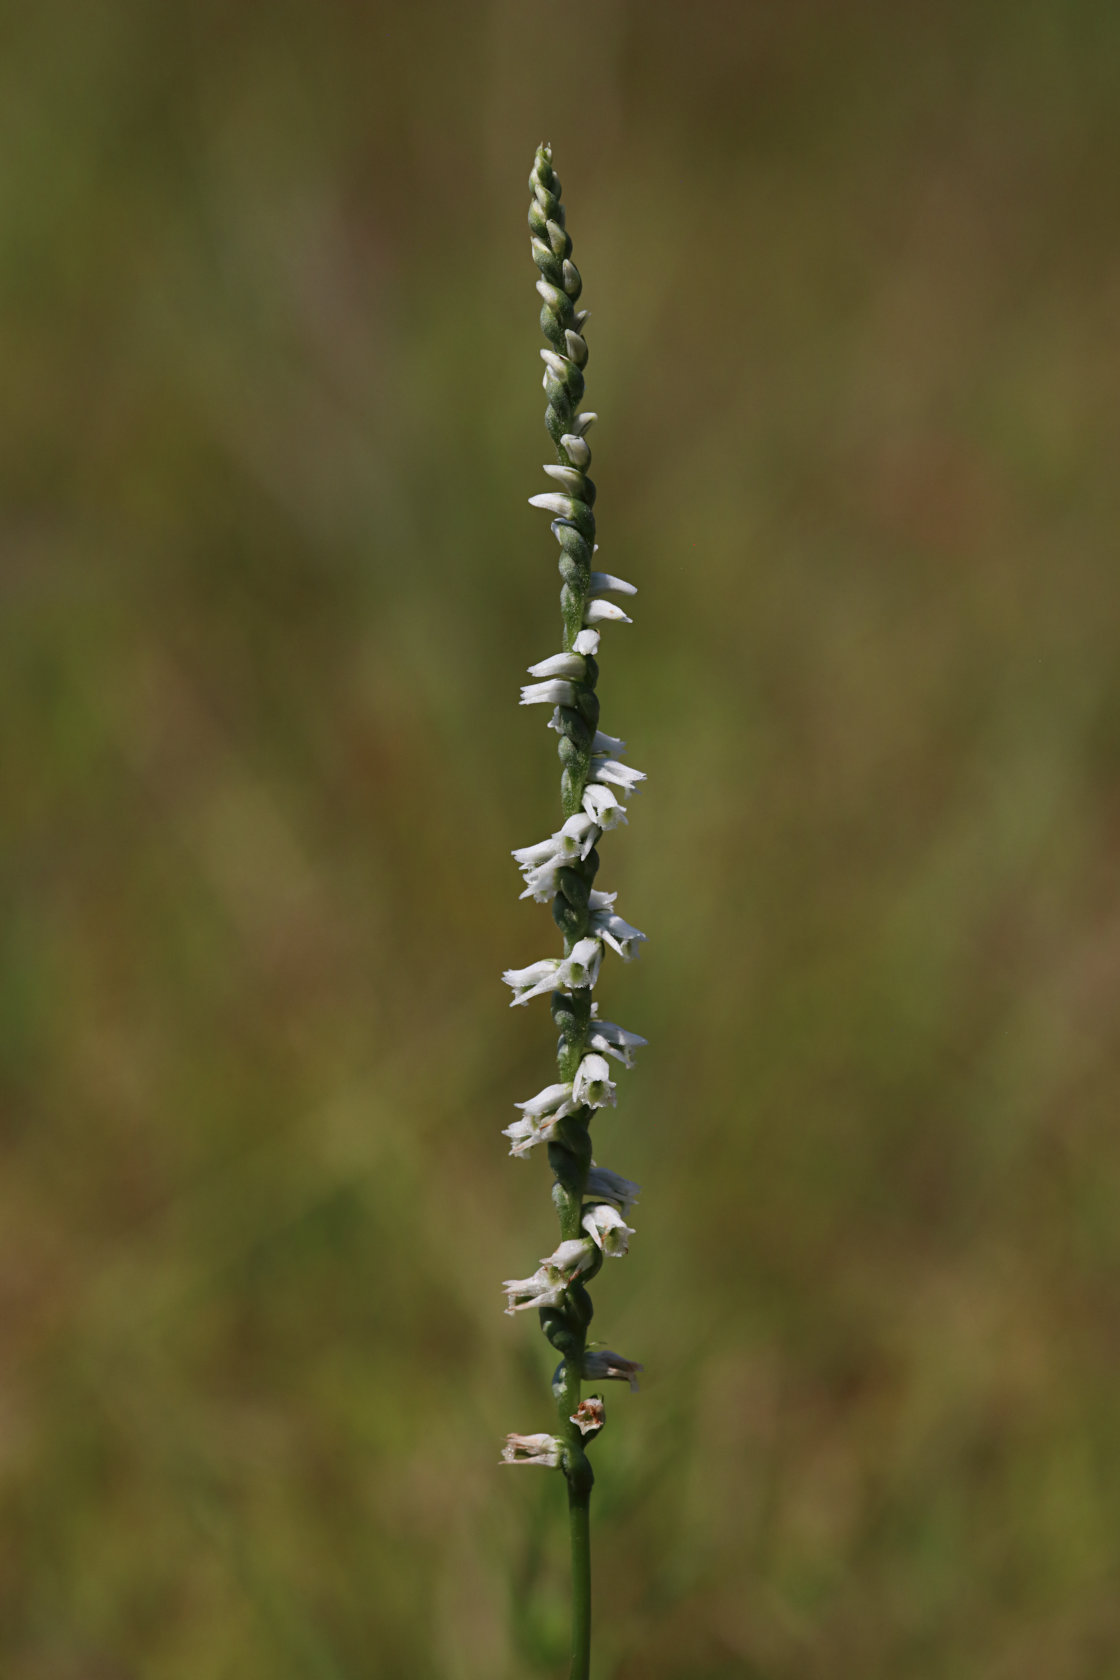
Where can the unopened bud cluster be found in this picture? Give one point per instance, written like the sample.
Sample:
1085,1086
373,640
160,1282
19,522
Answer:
592,1202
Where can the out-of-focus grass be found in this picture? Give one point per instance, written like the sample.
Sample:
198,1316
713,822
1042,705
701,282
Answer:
269,344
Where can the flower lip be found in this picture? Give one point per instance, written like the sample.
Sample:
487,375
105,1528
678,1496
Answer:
590,1415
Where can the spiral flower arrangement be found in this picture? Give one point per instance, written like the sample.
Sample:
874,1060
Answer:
592,1203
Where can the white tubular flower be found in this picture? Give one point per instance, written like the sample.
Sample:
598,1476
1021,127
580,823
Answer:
600,803
568,478
587,642
612,1040
607,1229
603,1185
603,746
524,1135
601,1363
551,1278
532,981
540,863
616,933
571,1258
582,967
602,583
550,1104
592,1084
564,507
543,1289
576,447
603,612
554,363
539,1118
622,775
590,1415
548,694
560,665
545,1450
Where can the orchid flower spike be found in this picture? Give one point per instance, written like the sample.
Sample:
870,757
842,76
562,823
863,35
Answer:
595,782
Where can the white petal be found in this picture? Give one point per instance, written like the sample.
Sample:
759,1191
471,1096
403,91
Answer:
606,744
587,641
567,477
599,612
622,775
576,448
559,665
548,694
603,583
564,506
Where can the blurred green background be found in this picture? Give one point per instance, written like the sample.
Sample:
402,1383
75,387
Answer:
272,413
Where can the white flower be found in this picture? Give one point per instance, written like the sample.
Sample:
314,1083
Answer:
602,1363
602,583
532,981
587,642
612,1040
551,1278
622,775
612,1187
553,974
577,450
564,507
548,694
592,1084
602,745
524,1135
568,478
540,863
600,803
607,1228
560,665
540,1115
616,932
582,966
600,612
554,363
533,1449
570,1258
555,1100
543,1289
590,1414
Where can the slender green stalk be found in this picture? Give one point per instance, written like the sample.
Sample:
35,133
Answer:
591,1202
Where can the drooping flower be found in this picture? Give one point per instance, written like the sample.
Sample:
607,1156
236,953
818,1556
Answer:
605,612
607,1229
570,665
545,1450
612,1040
551,1277
540,1116
592,1084
622,775
612,929
548,694
552,974
600,803
601,1364
602,1184
603,583
530,982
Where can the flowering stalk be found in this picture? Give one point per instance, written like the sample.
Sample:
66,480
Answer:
592,1202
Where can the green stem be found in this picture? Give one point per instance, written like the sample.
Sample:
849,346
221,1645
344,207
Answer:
579,1512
